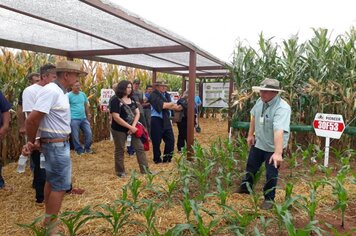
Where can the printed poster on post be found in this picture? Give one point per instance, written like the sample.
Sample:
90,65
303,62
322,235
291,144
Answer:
105,95
216,94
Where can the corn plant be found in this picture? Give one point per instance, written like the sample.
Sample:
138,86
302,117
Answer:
39,230
311,227
201,170
171,186
237,223
265,224
201,227
222,193
310,205
186,200
149,209
74,220
134,186
115,214
289,191
341,194
281,210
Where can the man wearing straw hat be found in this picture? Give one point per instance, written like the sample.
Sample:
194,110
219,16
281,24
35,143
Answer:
51,119
267,137
161,126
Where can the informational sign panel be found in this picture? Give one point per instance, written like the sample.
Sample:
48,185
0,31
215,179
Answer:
216,94
105,95
328,125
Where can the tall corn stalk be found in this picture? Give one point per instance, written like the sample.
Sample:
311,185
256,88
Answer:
317,75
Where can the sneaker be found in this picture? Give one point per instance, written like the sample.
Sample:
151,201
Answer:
267,205
121,175
89,151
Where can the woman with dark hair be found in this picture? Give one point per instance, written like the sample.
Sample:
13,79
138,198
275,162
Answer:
125,115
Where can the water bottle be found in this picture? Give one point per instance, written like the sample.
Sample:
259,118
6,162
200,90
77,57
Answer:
21,164
42,161
128,140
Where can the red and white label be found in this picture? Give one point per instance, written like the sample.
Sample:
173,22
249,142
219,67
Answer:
328,125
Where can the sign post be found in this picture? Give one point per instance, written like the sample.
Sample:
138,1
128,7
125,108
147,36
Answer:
105,95
328,126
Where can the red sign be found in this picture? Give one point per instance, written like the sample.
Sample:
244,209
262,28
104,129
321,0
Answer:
328,125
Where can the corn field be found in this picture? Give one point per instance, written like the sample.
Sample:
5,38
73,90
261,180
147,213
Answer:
317,75
15,65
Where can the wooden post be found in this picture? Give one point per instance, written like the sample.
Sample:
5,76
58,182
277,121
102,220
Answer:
231,89
191,94
154,77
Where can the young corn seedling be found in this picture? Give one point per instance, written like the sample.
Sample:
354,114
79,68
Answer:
116,214
305,231
186,201
281,209
265,224
149,213
236,222
39,230
134,186
170,187
310,205
202,228
341,194
75,220
222,193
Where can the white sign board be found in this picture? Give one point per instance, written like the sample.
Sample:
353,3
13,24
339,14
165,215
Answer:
105,95
328,125
216,94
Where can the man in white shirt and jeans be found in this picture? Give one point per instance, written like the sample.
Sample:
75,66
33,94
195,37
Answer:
29,99
51,118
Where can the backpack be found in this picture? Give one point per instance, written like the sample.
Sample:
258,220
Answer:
142,134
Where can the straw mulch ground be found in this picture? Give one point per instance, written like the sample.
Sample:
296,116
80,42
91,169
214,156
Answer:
95,174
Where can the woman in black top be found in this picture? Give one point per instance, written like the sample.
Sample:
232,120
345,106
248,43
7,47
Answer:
125,115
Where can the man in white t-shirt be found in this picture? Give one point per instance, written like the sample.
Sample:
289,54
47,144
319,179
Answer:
29,98
50,118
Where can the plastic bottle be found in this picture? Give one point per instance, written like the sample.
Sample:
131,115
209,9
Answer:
21,164
128,140
42,161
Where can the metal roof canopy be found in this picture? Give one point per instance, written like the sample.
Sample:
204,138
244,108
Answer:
102,31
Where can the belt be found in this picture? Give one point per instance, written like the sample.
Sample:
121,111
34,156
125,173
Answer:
53,140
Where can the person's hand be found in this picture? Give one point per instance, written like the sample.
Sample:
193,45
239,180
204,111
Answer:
276,159
251,140
133,129
27,148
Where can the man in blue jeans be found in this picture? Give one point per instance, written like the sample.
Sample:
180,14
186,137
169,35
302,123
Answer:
267,137
79,108
5,106
50,122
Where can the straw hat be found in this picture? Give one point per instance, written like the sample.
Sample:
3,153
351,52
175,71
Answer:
268,85
161,83
69,66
